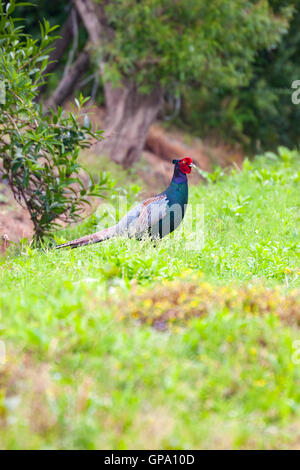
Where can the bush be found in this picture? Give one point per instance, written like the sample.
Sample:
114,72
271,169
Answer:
39,153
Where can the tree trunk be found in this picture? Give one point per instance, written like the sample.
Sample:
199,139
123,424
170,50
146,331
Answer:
129,116
129,113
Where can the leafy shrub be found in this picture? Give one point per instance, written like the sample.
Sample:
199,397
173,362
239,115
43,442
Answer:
39,153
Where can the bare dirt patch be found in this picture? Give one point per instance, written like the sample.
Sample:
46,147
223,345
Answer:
14,220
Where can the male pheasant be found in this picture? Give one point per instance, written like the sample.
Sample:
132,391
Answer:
157,216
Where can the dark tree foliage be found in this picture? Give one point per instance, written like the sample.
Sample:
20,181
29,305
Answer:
54,11
261,115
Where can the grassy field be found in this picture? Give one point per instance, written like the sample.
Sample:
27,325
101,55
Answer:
187,344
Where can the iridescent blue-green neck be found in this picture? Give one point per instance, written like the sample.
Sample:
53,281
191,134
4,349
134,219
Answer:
178,176
177,191
176,195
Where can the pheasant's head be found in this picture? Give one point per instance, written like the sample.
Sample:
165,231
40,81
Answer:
185,165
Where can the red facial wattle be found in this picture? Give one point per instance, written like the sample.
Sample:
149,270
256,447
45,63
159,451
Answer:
185,165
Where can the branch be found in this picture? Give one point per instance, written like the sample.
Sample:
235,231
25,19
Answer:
74,47
60,46
68,82
87,11
95,22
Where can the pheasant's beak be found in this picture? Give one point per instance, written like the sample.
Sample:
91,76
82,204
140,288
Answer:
192,165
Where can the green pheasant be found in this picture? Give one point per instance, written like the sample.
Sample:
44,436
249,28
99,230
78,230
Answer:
156,216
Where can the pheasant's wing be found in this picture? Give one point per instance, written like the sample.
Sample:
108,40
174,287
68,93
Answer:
151,212
127,223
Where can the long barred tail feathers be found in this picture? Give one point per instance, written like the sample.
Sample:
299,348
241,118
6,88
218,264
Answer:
89,239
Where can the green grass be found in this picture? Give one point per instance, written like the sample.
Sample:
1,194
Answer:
87,368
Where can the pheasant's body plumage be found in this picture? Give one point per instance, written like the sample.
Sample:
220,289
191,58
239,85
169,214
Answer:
156,216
